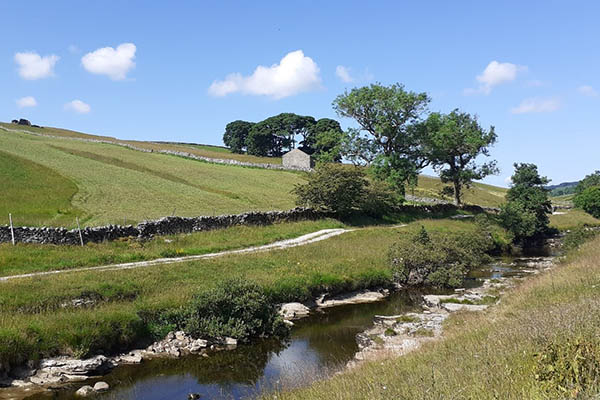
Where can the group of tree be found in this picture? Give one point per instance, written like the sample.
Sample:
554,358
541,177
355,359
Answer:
587,194
276,135
399,137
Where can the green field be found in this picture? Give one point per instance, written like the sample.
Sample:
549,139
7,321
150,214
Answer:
106,183
51,180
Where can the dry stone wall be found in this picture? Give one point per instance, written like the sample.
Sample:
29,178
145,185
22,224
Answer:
148,229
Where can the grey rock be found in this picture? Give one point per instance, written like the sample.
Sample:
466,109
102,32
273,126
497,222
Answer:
85,391
293,311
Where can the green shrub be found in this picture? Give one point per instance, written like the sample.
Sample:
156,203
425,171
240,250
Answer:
589,201
234,308
578,236
438,260
345,190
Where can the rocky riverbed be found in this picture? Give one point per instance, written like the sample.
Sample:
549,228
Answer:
401,334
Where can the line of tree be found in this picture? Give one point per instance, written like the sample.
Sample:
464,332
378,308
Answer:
276,135
399,137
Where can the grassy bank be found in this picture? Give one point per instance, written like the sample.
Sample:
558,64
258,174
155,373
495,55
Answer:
541,342
569,219
26,258
37,316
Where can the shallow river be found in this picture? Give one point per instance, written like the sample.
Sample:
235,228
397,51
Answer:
318,346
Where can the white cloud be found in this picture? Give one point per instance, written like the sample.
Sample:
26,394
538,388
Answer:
537,105
27,101
114,63
508,180
495,74
78,106
294,74
343,73
33,66
587,90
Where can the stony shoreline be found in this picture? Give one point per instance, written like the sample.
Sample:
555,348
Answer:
396,335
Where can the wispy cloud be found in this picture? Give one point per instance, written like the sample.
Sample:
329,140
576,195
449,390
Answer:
495,74
537,105
78,106
587,90
27,101
344,74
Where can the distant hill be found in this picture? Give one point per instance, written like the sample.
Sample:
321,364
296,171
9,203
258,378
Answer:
562,188
51,177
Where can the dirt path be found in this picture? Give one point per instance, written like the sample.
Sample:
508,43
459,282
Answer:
282,244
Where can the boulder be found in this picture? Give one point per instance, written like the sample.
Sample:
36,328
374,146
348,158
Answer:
453,307
292,311
101,387
85,391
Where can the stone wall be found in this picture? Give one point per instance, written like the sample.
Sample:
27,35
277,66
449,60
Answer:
147,229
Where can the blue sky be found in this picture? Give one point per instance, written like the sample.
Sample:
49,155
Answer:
182,70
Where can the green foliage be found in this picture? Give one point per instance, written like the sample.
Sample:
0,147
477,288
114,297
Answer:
235,135
358,149
390,115
332,187
588,181
578,236
525,213
570,365
454,141
277,134
234,308
438,260
390,332
589,200
344,190
327,139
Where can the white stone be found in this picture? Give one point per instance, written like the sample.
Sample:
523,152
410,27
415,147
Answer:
291,311
85,391
101,387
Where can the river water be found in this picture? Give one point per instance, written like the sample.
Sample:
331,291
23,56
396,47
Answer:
318,346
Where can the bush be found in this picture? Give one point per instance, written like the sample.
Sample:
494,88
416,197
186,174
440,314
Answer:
235,308
438,260
345,190
589,201
578,236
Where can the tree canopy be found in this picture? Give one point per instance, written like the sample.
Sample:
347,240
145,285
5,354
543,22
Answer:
390,115
453,143
235,135
589,181
525,213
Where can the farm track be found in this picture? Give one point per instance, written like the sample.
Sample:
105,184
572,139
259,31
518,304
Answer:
282,244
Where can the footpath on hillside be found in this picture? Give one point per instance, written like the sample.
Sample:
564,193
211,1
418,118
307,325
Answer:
282,244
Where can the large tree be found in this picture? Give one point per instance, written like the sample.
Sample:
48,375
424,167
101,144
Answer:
277,134
389,114
325,140
589,181
235,135
525,213
453,143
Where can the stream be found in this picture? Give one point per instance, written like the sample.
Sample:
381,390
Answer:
318,346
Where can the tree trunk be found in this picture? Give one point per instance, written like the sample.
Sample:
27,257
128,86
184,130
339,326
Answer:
457,193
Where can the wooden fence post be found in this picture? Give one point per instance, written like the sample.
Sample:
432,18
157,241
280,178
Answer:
12,231
79,229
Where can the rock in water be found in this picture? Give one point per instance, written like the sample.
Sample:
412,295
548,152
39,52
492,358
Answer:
101,387
85,391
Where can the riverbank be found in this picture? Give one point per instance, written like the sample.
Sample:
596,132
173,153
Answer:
88,313
540,342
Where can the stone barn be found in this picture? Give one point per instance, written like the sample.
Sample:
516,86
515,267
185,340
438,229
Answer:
298,159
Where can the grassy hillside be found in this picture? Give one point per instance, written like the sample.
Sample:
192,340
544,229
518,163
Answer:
49,181
479,193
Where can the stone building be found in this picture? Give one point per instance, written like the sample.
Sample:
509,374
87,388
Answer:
297,159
